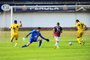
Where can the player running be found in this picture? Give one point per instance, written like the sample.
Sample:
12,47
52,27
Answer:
81,27
14,31
57,30
34,37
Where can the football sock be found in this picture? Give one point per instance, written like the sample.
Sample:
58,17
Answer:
79,40
11,40
16,42
40,42
56,44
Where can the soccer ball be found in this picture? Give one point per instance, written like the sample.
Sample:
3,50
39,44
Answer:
70,43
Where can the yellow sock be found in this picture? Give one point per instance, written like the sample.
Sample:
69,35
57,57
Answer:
11,39
79,40
16,42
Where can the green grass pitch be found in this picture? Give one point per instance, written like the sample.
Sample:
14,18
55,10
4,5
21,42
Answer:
47,51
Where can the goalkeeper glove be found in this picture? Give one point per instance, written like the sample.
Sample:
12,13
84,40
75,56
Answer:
47,40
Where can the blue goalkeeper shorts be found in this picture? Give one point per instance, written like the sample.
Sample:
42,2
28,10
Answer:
32,40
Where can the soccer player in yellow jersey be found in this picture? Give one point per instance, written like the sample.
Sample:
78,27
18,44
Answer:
81,27
14,31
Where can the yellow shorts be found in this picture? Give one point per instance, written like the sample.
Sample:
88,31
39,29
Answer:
14,36
79,34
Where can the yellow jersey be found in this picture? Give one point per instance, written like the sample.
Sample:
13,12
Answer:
80,26
14,28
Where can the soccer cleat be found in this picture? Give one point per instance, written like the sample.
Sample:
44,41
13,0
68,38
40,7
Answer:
80,43
83,42
23,46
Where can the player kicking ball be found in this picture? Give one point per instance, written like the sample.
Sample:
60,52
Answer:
81,27
34,37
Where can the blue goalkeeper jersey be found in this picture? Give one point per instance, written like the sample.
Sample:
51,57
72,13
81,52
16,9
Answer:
35,34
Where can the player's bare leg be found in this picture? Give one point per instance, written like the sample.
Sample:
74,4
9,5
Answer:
57,42
16,42
12,38
26,45
82,41
79,39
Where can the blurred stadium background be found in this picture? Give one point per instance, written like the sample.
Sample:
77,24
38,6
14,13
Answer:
63,11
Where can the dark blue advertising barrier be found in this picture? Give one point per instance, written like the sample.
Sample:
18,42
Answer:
39,9
35,9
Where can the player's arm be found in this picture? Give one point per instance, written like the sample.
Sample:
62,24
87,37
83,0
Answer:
43,37
85,27
61,29
54,29
10,27
74,26
28,34
20,24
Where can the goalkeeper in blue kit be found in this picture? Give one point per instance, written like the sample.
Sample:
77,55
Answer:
34,37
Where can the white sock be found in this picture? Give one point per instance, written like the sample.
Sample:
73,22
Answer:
56,44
